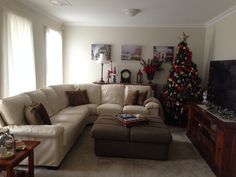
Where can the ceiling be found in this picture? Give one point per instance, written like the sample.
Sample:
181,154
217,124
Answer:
155,13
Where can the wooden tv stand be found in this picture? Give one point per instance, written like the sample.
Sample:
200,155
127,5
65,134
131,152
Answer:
215,139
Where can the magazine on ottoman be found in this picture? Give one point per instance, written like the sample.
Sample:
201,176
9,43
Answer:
131,119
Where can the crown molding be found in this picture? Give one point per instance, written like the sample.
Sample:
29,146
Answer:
136,26
221,16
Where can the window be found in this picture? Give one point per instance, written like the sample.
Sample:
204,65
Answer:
18,55
54,69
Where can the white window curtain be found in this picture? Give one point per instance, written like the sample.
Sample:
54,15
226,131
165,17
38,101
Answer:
18,55
54,67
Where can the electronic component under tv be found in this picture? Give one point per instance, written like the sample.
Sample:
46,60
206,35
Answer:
222,84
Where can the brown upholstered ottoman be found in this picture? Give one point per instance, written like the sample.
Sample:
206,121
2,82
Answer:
148,141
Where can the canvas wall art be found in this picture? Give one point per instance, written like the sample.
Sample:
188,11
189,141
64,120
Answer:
166,53
131,52
97,49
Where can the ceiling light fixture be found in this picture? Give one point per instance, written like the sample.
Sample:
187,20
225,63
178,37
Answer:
132,12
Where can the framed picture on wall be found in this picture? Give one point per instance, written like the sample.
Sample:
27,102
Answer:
131,52
166,53
97,49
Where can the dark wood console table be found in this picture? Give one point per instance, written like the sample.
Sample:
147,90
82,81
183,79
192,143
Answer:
215,139
9,164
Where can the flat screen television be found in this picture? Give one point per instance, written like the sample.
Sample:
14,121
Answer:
222,84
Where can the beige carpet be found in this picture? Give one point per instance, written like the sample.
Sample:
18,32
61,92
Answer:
184,161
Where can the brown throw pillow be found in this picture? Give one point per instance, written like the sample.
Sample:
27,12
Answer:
31,115
36,114
141,98
132,98
44,114
86,98
78,97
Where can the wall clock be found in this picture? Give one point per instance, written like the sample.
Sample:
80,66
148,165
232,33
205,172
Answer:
125,76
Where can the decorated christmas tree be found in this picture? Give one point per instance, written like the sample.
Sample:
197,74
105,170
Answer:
183,85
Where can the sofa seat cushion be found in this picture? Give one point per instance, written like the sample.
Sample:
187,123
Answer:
92,108
109,109
12,109
72,123
135,109
75,110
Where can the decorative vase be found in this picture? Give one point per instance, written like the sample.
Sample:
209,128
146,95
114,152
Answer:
150,77
6,141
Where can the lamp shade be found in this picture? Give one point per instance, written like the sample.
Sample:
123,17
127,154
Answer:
102,58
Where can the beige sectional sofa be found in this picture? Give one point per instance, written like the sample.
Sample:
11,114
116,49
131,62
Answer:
67,122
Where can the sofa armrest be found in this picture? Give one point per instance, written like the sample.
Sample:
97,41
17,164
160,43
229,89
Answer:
153,108
153,103
36,131
151,99
50,150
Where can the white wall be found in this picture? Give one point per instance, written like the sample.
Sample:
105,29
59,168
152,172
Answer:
39,22
79,68
1,53
220,43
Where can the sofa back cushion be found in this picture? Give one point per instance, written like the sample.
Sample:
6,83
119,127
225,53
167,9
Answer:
12,109
61,94
52,99
140,88
93,91
113,93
